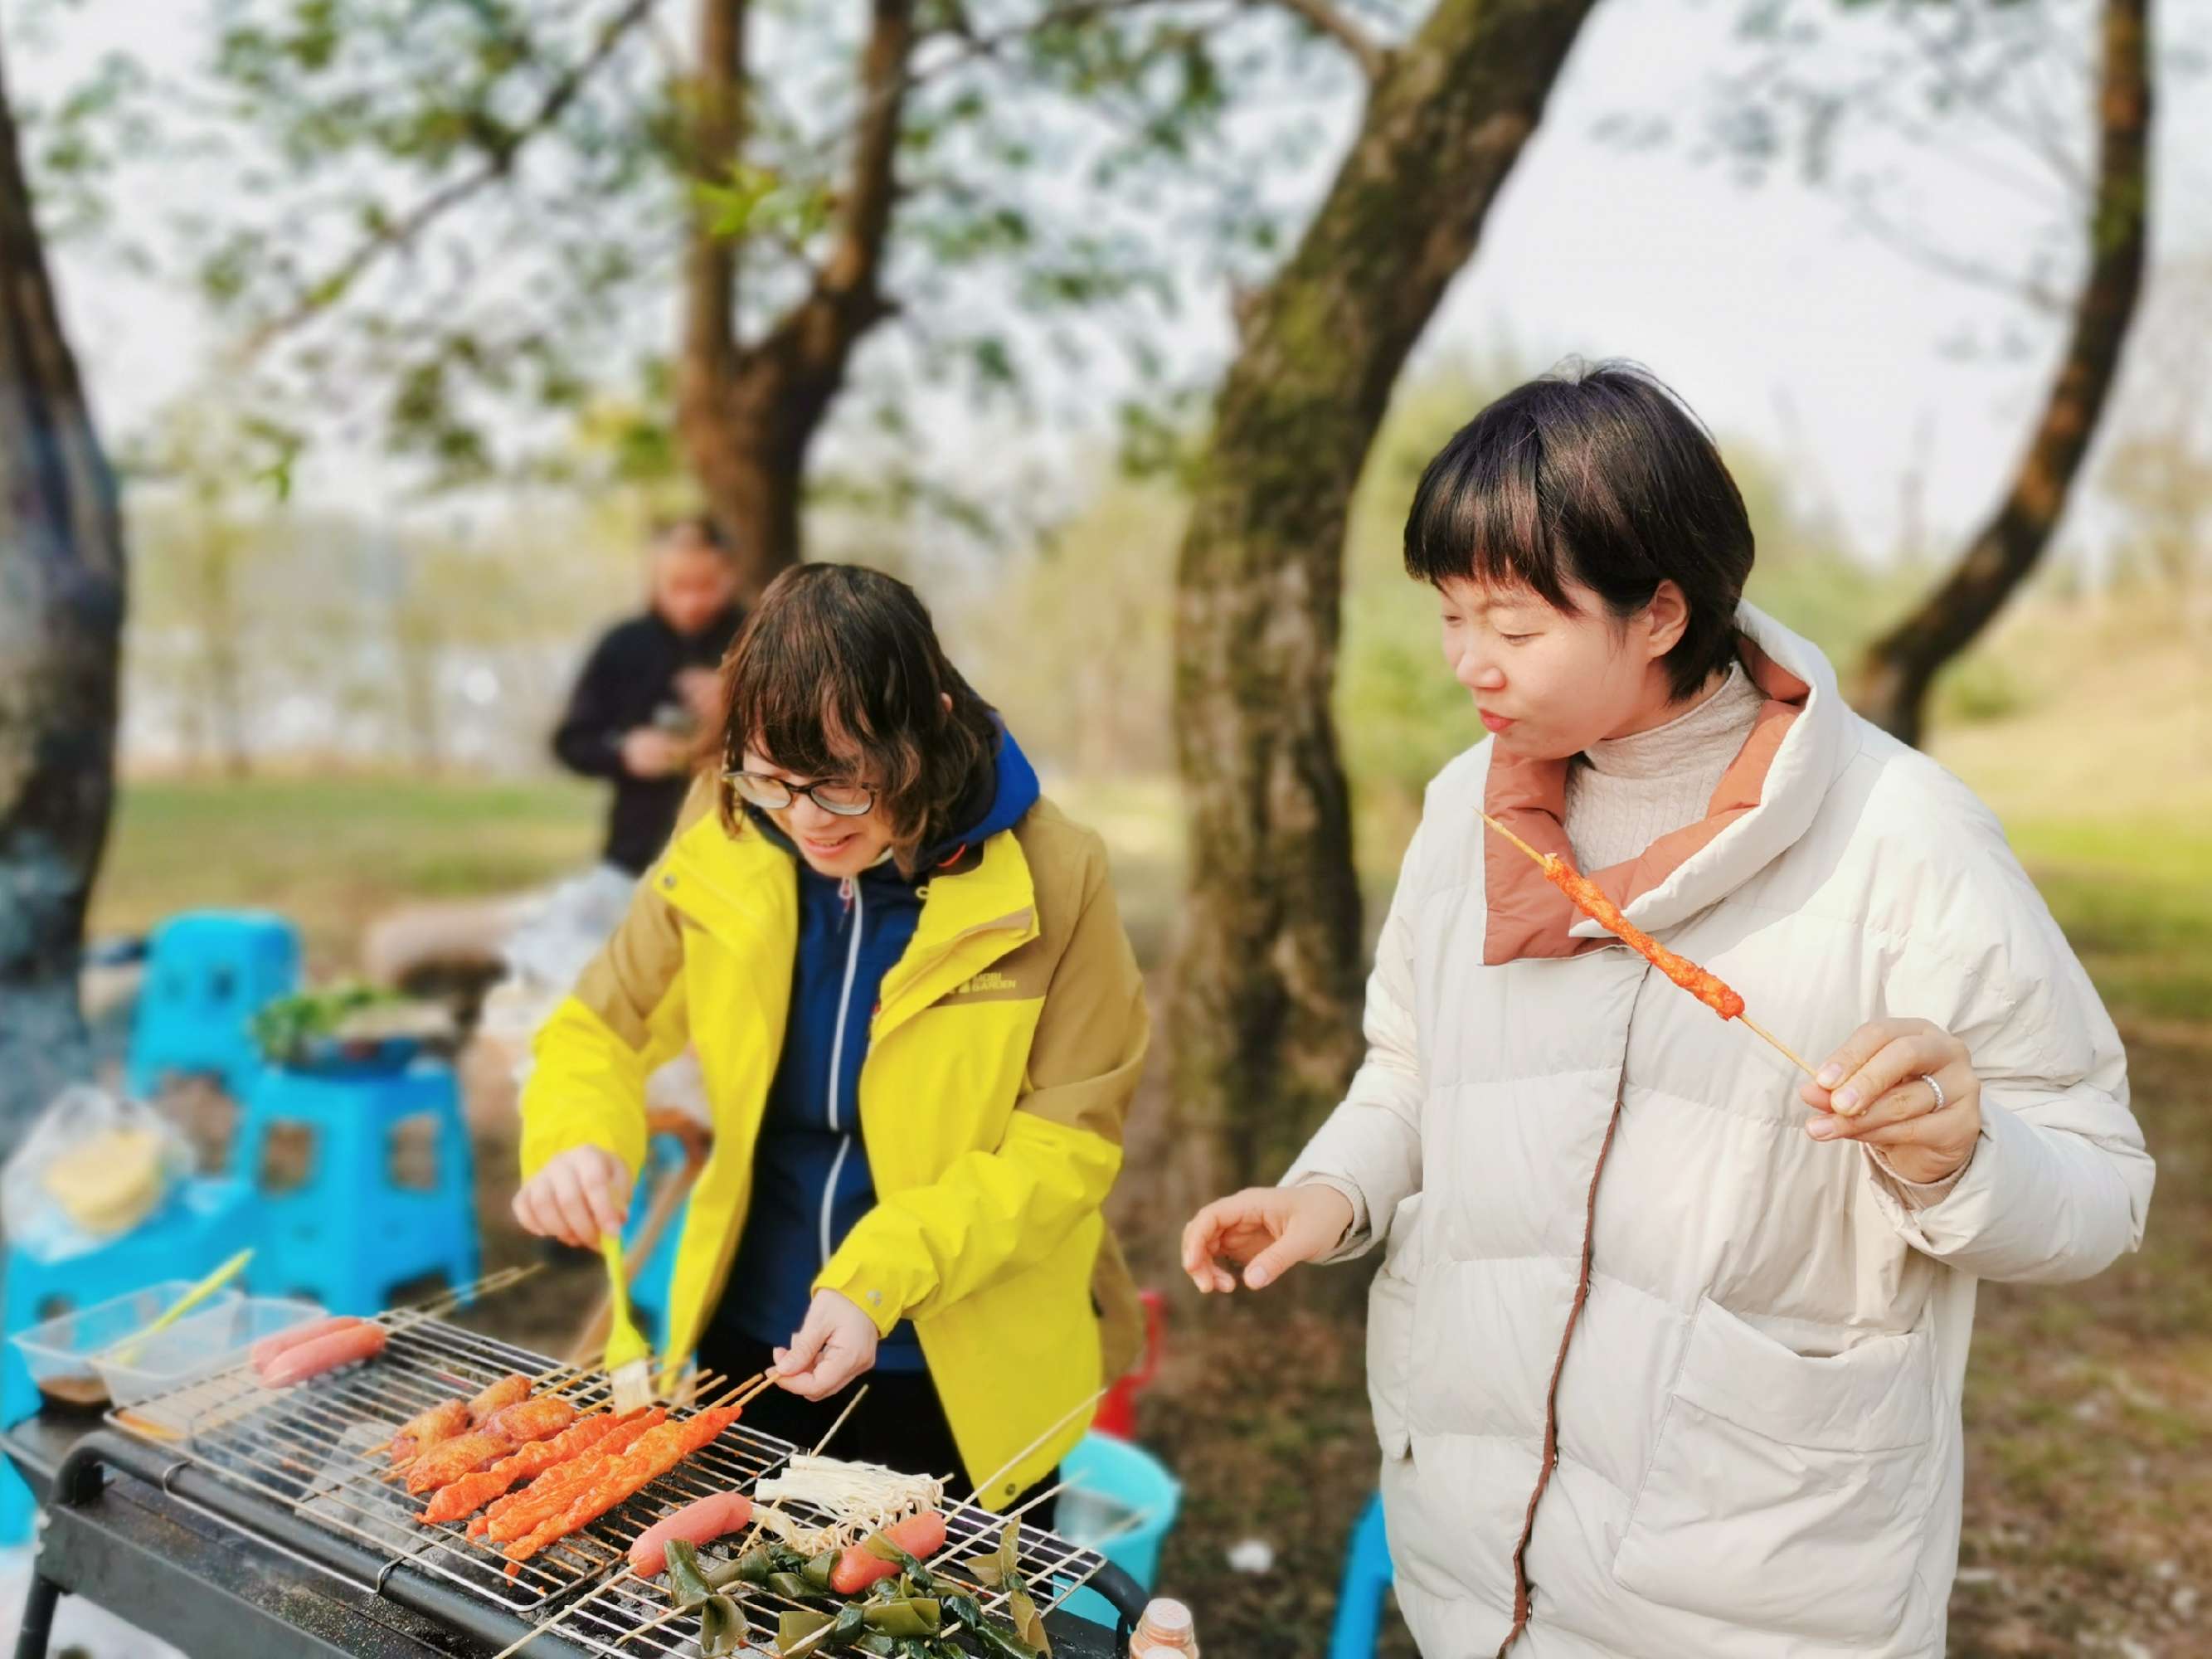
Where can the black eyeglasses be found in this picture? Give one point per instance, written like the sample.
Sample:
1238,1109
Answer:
771,794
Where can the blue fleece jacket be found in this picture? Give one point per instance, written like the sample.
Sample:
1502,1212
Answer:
810,1179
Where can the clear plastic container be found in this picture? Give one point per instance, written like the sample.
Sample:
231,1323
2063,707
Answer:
202,1343
61,1354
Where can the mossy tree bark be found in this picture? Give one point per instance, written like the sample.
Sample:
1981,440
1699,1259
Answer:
61,615
1264,1020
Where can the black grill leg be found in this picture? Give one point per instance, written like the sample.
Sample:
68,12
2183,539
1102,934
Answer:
38,1618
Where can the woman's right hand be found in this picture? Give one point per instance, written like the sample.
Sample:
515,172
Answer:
1265,1230
579,1195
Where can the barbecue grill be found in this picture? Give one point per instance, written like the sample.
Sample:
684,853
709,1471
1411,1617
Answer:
293,1470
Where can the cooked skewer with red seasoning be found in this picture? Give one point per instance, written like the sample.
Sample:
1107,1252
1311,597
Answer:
426,1429
552,1491
508,1428
1587,898
530,1419
473,1491
509,1390
653,1456
1708,987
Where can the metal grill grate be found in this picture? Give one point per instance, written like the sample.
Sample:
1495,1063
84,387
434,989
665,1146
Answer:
308,1447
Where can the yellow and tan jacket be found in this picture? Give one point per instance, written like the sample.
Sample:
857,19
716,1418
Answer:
1000,1062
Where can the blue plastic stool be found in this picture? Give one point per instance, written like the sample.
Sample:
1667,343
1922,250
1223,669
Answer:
347,1235
208,973
203,1224
664,1157
1110,1481
1367,1579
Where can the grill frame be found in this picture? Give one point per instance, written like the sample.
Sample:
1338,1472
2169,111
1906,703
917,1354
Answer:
296,1454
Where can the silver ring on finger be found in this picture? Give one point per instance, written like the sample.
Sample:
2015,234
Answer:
1940,1102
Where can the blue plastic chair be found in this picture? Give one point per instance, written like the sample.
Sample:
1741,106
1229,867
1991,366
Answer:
202,1225
208,973
347,1234
1367,1580
1110,1481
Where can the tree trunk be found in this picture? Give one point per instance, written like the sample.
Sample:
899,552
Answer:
1264,1020
1899,667
60,615
753,479
747,413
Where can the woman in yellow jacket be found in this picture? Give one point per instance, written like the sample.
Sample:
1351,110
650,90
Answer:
919,1023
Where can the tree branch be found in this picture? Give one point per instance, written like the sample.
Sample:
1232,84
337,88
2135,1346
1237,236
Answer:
855,260
1372,56
710,299
2038,140
501,149
1898,669
1922,251
815,336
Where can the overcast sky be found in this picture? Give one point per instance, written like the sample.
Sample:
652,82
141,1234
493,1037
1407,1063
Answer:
1762,306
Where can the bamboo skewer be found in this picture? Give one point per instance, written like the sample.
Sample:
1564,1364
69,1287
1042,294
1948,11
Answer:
1545,862
1776,1043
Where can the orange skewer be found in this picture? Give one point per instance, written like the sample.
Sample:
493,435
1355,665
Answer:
1709,989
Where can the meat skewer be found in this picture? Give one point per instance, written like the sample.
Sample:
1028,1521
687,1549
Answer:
530,1419
509,1390
473,1491
1586,896
428,1428
551,1493
512,1427
653,1456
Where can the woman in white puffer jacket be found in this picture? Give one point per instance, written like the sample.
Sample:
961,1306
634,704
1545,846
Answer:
1666,1348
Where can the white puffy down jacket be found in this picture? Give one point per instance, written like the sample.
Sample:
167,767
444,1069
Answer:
1654,1372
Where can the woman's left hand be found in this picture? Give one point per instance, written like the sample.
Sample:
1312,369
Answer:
1876,1089
836,1344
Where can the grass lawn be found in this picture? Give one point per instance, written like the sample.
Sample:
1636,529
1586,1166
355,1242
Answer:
2089,1509
332,852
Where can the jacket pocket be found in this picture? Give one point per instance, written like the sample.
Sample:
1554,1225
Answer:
1785,1491
1390,1321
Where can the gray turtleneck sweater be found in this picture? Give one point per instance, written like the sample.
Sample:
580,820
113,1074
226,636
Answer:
1625,793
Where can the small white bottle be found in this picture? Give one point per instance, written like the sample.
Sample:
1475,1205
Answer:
1166,1631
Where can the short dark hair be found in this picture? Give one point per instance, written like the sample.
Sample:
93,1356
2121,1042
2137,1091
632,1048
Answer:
1598,475
838,670
699,527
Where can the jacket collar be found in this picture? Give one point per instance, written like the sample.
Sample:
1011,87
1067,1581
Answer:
733,884
1766,800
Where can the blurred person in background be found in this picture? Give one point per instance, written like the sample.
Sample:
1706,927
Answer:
650,688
